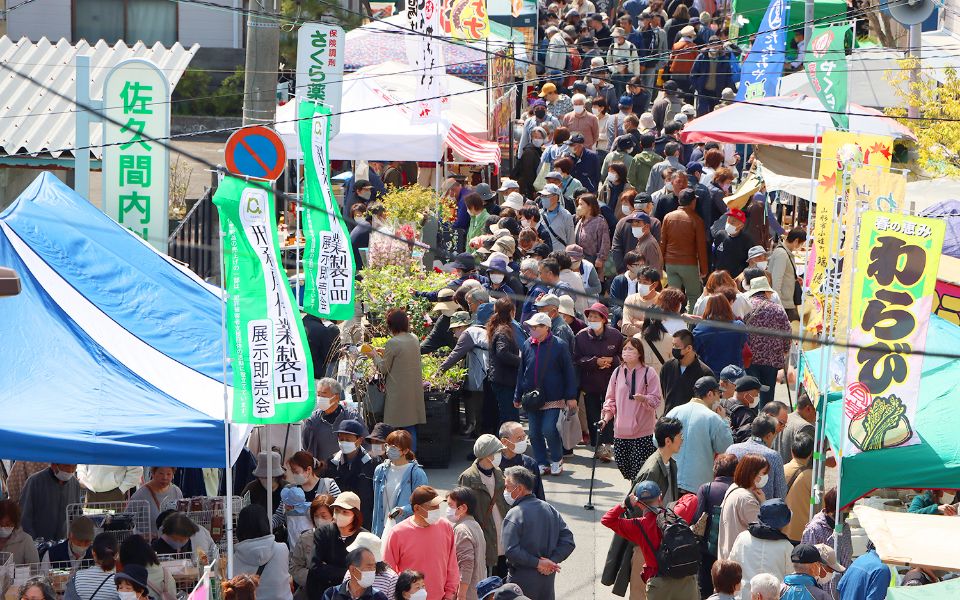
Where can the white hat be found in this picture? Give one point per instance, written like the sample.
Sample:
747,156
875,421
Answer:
567,306
538,319
688,110
680,118
367,540
513,200
508,184
647,121
759,284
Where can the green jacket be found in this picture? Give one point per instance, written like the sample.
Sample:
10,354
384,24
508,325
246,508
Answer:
476,227
616,155
470,478
924,504
654,470
640,168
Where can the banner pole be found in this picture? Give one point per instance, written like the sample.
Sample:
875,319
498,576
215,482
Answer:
811,215
228,471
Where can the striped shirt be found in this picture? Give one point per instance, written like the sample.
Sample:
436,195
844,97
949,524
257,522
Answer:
87,581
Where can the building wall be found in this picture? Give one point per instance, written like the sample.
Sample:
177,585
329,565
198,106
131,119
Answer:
49,19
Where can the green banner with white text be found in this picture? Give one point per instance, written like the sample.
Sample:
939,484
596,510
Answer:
272,367
328,263
828,71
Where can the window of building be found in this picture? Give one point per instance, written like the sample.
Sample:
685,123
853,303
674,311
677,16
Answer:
149,21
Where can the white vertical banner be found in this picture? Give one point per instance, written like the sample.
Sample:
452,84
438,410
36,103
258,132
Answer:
136,100
320,52
425,54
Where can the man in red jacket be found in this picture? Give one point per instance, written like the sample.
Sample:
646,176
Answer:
646,496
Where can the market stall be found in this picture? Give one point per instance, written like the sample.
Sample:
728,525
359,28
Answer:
911,540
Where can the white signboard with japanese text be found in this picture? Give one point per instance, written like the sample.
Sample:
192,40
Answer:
320,52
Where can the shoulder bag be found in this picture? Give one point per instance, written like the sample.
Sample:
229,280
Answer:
543,219
534,400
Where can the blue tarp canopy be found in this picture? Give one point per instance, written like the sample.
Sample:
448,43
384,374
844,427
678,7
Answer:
112,354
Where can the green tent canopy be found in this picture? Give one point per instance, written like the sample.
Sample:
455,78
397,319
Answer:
935,461
945,590
748,14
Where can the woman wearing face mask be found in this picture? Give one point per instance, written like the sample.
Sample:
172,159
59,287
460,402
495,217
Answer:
176,529
462,510
592,233
378,435
136,551
393,482
330,543
258,553
372,220
718,347
632,399
96,583
158,492
303,474
716,281
648,290
484,479
598,106
321,513
410,586
13,538
525,170
132,583
259,486
426,543
741,504
504,357
569,185
614,184
657,331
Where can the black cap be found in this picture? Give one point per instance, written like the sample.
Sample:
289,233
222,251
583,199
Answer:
540,250
464,261
510,224
705,385
748,383
580,86
642,198
670,85
577,138
360,183
596,17
805,554
136,574
624,142
380,432
352,427
647,140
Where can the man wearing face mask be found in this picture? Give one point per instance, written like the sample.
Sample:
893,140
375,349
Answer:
744,406
808,571
427,530
732,245
710,74
540,119
596,353
351,467
535,537
71,552
582,121
362,570
763,431
484,479
647,246
680,373
586,164
515,444
557,220
706,434
44,501
319,435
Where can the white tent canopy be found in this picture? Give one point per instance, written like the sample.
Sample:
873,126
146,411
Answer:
372,129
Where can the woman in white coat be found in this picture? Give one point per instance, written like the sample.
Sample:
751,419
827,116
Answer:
258,553
763,548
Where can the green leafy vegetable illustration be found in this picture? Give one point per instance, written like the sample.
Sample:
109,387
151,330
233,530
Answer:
883,416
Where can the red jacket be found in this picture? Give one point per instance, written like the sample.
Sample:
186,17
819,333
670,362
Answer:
629,529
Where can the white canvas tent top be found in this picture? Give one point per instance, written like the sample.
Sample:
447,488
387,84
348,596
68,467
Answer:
912,539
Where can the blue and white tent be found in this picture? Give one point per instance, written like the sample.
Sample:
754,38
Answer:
112,353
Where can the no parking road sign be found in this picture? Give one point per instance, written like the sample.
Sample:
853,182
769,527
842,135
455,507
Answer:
256,152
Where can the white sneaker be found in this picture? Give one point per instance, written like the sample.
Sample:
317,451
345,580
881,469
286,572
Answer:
556,468
544,470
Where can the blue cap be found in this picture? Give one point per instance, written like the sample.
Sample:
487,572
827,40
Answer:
694,167
352,427
775,513
488,586
732,373
647,491
626,100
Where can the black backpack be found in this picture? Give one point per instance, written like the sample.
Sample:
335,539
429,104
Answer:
679,552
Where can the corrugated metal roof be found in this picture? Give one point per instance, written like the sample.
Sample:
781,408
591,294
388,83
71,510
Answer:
36,121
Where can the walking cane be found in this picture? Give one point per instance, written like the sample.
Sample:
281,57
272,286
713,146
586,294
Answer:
593,469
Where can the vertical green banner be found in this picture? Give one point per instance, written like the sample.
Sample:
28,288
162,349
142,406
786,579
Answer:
328,265
828,71
272,367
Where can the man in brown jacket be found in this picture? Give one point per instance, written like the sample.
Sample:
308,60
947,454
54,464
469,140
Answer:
683,244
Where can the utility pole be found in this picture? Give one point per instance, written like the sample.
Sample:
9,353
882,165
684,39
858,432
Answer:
262,63
913,111
807,26
3,18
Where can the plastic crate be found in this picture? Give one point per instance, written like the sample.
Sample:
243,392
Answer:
203,510
184,569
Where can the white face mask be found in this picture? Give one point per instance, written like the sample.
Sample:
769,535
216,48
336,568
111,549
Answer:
626,209
538,142
318,522
596,81
376,450
297,478
6,532
637,231
420,594
762,264
755,401
643,289
762,480
127,595
324,402
521,446
365,194
578,109
451,514
348,447
64,476
496,458
595,111
730,229
822,581
613,177
525,223
366,578
496,277
343,519
508,498
434,516
594,325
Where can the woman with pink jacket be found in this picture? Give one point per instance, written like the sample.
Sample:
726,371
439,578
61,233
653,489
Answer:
633,396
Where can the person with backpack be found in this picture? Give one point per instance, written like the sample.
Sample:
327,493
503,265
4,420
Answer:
709,499
670,548
471,344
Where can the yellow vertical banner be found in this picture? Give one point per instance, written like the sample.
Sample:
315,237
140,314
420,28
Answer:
841,154
897,259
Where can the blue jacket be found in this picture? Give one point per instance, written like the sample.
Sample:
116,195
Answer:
800,586
717,347
701,69
865,579
558,382
586,169
413,478
528,304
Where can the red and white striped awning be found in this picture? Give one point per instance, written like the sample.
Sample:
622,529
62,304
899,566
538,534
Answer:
473,148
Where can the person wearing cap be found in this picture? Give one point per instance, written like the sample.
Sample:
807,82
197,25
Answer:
362,191
535,288
732,245
683,53
498,269
68,554
484,479
489,586
616,125
622,58
635,520
535,537
568,313
549,306
586,165
539,119
684,248
319,432
728,383
808,569
615,181
580,120
133,579
596,355
463,267
258,553
763,430
621,150
440,335
22,548
742,408
258,487
558,104
351,467
508,186
666,105
471,344
331,542
555,218
659,177
489,196
646,243
763,547
652,47
543,353
706,434
834,571
710,75
769,353
426,544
